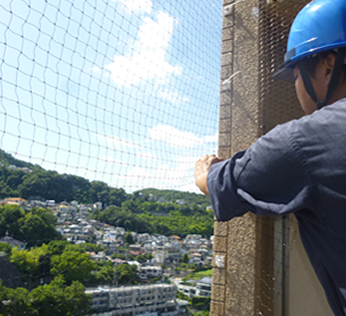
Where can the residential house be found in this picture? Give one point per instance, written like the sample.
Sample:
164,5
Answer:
97,206
111,245
13,242
50,204
167,255
203,287
16,201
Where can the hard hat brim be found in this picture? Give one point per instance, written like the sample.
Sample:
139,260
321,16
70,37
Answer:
284,71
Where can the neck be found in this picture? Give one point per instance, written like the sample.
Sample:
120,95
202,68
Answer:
339,93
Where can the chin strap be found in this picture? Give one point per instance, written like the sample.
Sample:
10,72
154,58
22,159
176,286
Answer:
334,81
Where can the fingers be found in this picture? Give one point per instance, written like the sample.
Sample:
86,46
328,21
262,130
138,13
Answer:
210,159
201,171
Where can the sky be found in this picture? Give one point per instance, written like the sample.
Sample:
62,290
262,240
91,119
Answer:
120,91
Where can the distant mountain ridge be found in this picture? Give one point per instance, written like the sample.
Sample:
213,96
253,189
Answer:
8,160
50,185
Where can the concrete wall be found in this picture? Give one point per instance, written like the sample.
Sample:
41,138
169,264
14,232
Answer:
305,293
234,243
254,273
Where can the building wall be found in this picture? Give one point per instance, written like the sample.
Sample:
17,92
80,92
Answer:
134,299
305,293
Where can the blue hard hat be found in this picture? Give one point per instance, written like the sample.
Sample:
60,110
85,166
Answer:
319,26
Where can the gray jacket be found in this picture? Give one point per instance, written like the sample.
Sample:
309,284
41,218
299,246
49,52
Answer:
298,167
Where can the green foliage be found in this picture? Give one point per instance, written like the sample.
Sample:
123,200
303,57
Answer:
201,313
7,159
73,265
185,258
34,227
28,262
201,303
10,216
57,247
140,258
93,247
126,274
172,196
129,238
51,185
15,301
104,275
123,217
159,218
149,256
62,258
118,255
166,212
57,299
6,248
200,272
182,296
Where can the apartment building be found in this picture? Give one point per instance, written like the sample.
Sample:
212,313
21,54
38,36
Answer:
200,288
155,300
167,254
148,272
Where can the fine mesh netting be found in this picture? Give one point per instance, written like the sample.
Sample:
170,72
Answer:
100,99
125,92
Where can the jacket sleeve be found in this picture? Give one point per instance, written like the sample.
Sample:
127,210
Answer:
270,178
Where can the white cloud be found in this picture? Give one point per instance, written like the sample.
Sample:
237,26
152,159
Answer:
210,138
173,97
174,137
190,160
148,60
95,69
137,6
137,173
180,177
112,140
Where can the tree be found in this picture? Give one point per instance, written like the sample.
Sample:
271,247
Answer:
129,238
99,192
9,220
6,248
104,273
57,247
185,258
27,261
34,184
149,256
117,196
126,274
75,266
140,258
56,299
34,229
17,301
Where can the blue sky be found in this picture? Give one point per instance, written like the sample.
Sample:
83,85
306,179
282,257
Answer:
122,91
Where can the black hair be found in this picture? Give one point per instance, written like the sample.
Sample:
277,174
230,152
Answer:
312,61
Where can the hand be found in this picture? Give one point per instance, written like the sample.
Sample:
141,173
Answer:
201,171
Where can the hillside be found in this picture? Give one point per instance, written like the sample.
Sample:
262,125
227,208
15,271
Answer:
27,180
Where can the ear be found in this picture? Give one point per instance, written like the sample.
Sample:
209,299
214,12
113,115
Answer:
328,65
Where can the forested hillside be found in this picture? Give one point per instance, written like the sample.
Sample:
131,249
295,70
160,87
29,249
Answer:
51,185
149,210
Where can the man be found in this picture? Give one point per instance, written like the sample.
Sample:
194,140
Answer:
299,167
